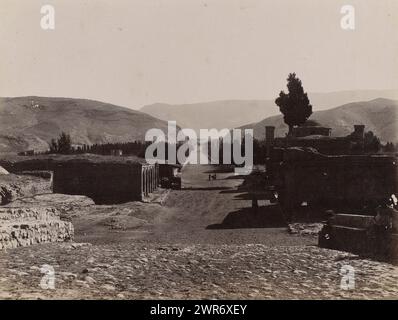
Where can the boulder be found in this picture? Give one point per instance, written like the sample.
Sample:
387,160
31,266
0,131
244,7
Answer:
3,171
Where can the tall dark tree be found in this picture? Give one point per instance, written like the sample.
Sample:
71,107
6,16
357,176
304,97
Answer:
371,142
64,143
294,105
53,146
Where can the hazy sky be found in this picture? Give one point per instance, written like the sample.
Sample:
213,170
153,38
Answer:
136,52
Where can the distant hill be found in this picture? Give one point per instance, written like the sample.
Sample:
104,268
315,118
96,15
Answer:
234,113
378,115
216,114
31,122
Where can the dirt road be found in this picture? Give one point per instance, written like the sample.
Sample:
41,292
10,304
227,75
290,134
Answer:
214,212
203,212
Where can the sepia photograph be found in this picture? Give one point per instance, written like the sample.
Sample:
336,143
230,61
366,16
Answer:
200,156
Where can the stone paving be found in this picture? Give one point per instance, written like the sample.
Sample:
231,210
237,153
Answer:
84,271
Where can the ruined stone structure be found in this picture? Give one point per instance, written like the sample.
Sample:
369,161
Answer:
362,234
27,153
105,181
343,182
304,131
319,138
315,175
27,226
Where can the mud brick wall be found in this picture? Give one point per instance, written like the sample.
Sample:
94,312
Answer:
27,226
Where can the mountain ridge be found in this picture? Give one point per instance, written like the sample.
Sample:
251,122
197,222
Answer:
230,114
379,115
30,122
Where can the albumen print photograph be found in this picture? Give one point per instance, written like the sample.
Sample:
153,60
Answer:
201,150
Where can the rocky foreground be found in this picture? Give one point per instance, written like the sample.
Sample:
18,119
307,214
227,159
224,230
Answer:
202,242
139,271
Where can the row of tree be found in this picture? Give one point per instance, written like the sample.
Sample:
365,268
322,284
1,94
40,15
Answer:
63,145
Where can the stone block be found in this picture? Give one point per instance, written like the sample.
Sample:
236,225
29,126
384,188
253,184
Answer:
21,227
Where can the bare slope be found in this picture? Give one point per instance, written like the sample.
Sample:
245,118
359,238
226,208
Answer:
379,115
235,113
31,122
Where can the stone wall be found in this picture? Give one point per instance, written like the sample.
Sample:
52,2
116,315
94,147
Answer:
28,165
319,138
105,183
346,182
28,226
325,145
303,131
360,234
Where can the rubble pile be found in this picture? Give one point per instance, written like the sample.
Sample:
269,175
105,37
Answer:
27,226
305,229
13,187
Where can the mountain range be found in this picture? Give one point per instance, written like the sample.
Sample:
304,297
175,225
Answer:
31,122
235,113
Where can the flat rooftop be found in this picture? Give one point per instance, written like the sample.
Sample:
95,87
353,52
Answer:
73,158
